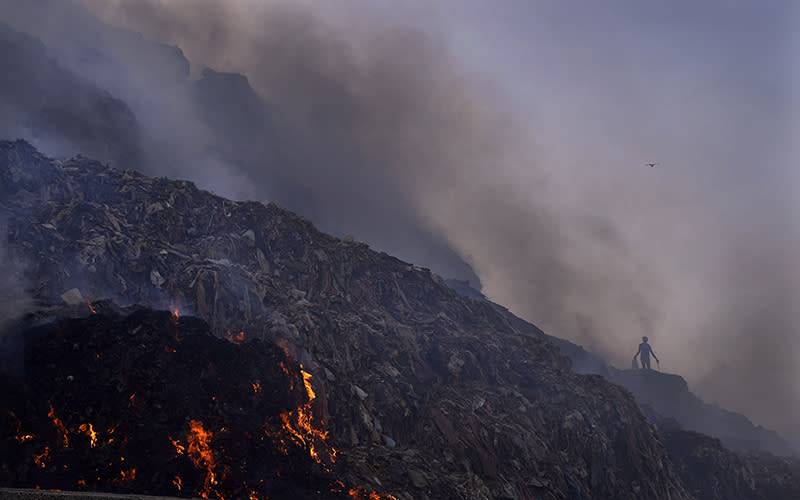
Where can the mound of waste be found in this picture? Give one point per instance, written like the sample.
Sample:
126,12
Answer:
424,393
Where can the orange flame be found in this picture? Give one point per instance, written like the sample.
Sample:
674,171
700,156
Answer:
132,399
91,307
176,314
89,431
59,425
256,387
82,483
307,382
42,457
177,482
26,437
201,455
300,426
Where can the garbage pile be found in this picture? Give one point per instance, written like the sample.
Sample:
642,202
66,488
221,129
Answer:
150,402
425,394
711,471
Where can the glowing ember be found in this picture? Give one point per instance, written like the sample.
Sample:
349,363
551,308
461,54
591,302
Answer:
91,307
59,425
256,387
26,437
175,313
236,339
89,431
82,483
111,431
288,375
177,482
132,399
42,457
361,492
179,448
125,476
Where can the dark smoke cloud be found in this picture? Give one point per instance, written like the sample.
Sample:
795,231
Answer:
363,120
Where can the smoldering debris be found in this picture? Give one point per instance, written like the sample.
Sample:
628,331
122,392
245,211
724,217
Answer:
147,402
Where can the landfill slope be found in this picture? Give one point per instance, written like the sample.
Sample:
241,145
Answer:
430,395
665,393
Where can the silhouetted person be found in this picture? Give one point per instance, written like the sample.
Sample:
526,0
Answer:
645,350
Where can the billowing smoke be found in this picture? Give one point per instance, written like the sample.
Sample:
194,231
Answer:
366,121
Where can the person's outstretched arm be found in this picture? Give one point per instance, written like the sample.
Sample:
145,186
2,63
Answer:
654,355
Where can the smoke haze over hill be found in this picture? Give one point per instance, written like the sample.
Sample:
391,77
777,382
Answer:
512,139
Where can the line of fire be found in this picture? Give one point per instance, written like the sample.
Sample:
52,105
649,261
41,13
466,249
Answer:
151,402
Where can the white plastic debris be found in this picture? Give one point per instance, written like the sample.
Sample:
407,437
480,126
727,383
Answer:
72,297
156,278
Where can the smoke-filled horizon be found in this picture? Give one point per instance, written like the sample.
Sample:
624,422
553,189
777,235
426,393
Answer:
512,138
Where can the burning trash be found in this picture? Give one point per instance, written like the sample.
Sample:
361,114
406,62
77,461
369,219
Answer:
141,419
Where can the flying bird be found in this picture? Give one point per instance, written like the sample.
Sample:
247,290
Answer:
652,164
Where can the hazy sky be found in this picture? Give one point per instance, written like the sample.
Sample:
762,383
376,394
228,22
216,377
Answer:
515,133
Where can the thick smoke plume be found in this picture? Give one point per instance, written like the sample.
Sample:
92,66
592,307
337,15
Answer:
373,127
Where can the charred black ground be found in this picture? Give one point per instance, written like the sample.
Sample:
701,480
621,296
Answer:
149,402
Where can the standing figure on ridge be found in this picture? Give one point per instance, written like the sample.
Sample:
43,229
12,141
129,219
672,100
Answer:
645,350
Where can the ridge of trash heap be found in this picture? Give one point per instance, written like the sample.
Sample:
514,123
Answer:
425,393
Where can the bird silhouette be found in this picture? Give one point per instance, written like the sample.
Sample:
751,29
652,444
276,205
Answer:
652,164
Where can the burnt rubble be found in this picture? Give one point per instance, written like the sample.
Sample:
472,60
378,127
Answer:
427,394
149,402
